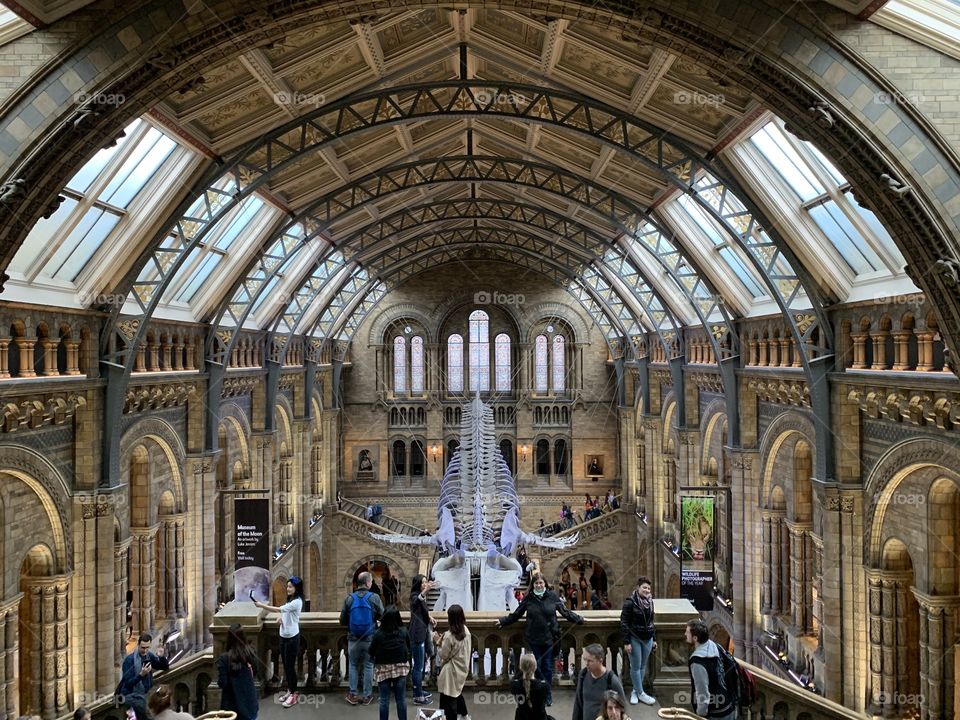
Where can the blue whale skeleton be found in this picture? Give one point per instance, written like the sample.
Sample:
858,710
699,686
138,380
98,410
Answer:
478,521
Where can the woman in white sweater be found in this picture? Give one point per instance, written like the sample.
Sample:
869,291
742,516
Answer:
455,651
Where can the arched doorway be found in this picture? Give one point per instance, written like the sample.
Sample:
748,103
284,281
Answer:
582,578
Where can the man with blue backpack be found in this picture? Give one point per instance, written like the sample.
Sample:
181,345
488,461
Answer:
360,613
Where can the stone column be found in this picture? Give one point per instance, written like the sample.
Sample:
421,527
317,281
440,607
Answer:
46,645
196,582
879,340
191,358
73,357
178,356
801,582
901,353
140,364
767,561
783,566
859,350
9,658
26,357
762,360
121,553
744,521
938,633
4,373
50,357
887,635
785,345
143,578
925,350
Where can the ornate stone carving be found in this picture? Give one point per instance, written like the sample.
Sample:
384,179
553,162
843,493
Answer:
47,409
917,408
949,271
53,206
128,328
782,391
234,386
11,191
158,396
892,186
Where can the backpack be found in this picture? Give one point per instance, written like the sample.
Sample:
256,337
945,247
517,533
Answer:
741,682
361,615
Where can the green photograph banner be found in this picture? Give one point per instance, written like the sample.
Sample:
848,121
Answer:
697,550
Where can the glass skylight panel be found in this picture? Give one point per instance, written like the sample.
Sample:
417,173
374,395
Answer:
88,173
771,141
137,170
75,253
240,221
198,276
873,222
41,236
845,238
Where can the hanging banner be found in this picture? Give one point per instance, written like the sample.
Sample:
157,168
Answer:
251,578
697,550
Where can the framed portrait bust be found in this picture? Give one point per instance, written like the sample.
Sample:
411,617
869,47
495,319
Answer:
594,465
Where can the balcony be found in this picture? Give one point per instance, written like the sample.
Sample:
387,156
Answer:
323,666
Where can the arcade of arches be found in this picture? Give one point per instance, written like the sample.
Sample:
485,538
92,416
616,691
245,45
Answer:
682,248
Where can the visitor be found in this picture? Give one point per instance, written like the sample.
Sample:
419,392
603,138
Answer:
289,636
708,689
160,705
236,677
455,650
530,690
543,630
639,636
390,654
592,684
81,713
361,610
613,707
136,677
421,623
595,602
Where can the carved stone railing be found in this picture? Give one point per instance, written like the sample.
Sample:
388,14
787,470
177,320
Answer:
597,526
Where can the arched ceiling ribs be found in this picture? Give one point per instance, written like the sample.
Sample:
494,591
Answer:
654,148
598,310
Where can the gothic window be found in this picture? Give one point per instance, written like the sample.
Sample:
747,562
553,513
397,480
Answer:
455,363
416,459
543,457
416,365
501,349
452,447
506,450
479,351
560,458
399,365
559,366
540,363
399,459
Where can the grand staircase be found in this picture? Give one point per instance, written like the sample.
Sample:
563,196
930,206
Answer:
387,523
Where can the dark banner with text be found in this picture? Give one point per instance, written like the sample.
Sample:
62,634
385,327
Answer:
251,579
697,549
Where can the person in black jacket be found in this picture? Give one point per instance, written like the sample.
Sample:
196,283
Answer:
236,676
390,654
530,691
543,630
639,636
421,622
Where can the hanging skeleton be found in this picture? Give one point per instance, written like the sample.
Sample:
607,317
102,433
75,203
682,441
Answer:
478,521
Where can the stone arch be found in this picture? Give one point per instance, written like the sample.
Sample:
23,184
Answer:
43,480
174,457
548,310
673,586
894,466
713,416
788,427
393,314
565,562
395,568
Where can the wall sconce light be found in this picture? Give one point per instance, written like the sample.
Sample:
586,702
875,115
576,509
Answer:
435,452
524,449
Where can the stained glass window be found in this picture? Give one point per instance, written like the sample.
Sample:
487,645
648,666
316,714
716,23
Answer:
501,351
416,365
479,351
399,365
455,363
559,364
540,364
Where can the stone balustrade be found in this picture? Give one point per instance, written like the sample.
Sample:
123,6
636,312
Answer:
324,644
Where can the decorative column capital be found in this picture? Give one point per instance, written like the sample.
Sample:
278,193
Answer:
936,604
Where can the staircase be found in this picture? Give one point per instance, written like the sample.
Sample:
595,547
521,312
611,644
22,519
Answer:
389,524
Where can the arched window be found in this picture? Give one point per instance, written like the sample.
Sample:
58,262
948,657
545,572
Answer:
416,459
559,366
501,353
455,363
416,365
399,365
540,363
479,351
543,457
560,458
399,459
506,449
452,447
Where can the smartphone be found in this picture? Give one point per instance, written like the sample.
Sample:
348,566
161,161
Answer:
251,594
131,715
